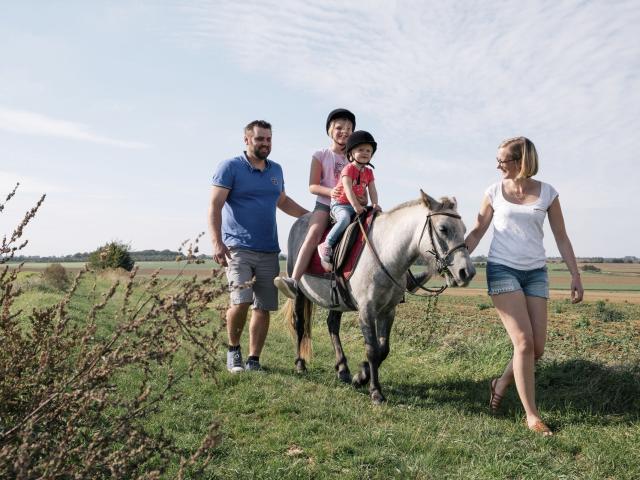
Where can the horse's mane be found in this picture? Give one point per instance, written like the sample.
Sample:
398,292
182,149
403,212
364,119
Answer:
405,205
445,204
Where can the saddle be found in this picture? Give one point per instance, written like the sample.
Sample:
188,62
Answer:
346,254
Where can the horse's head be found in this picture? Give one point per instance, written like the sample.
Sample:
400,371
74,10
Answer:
442,240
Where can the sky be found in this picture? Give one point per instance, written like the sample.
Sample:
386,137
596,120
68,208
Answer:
120,110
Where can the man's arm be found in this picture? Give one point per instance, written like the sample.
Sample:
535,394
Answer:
220,251
290,207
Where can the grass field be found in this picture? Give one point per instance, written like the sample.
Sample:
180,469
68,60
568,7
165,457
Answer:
278,424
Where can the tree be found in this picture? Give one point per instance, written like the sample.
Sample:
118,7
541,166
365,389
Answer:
112,255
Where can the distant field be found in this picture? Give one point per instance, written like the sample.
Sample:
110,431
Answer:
613,277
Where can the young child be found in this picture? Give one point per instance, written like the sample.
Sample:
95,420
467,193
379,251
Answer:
356,178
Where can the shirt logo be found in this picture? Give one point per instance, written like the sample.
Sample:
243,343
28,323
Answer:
274,180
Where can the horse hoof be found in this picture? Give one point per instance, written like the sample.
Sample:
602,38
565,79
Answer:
356,381
300,366
377,398
344,376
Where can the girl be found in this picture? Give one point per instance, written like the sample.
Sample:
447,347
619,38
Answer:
326,165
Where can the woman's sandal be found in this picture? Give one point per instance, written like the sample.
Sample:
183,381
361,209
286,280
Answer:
495,399
539,427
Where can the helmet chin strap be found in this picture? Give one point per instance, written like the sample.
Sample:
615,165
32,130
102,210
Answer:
364,163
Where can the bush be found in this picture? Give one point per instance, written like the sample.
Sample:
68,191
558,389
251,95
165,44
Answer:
590,268
112,255
55,275
63,411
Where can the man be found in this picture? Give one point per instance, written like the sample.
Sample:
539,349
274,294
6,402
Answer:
242,221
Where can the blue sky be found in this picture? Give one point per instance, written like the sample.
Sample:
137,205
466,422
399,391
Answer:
120,111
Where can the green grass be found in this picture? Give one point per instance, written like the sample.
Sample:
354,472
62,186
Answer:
278,424
435,424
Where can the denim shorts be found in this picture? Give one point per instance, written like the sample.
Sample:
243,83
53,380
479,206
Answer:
322,207
503,279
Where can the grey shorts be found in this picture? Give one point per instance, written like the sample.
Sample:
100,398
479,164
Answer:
246,265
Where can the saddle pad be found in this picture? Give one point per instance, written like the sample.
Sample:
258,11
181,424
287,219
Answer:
315,266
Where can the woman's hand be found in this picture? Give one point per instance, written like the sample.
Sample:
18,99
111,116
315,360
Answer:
577,292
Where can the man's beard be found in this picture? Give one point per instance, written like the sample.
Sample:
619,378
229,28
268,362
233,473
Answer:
262,153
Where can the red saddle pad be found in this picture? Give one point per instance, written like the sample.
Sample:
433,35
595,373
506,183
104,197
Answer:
315,266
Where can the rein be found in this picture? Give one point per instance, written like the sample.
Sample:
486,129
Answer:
442,259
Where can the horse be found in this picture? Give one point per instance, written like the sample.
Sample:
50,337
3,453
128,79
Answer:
427,228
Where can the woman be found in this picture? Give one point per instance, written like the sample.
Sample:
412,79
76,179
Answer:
516,268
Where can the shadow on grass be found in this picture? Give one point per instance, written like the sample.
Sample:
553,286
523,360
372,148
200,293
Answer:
578,391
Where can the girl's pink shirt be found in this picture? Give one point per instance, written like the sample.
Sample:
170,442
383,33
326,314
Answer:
332,165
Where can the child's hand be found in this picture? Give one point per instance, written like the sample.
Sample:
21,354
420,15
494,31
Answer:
359,209
377,207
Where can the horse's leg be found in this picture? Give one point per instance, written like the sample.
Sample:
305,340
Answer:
372,349
333,322
384,322
299,319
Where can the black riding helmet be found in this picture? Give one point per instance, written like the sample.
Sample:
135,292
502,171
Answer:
340,113
358,138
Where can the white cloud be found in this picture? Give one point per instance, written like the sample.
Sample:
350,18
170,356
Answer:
442,69
30,123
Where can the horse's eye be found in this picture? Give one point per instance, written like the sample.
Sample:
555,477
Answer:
442,229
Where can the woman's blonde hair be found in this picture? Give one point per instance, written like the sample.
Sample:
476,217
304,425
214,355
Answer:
523,150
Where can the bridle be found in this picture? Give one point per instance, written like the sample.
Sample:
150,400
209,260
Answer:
442,258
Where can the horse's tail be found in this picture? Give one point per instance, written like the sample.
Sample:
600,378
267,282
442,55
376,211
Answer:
300,328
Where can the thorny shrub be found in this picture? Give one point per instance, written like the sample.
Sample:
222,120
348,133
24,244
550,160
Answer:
62,414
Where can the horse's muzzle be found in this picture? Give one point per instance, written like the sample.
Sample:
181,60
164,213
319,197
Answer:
463,276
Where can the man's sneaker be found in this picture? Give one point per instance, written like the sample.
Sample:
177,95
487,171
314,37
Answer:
287,286
325,251
253,366
234,362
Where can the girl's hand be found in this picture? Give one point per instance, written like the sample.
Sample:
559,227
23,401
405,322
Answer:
377,207
358,209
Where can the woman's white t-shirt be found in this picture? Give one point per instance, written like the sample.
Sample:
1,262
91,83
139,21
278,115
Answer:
332,164
517,235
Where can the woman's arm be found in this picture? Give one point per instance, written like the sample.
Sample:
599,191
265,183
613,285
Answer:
315,175
556,220
348,191
482,224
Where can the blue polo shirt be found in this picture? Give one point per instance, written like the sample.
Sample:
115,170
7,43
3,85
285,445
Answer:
249,214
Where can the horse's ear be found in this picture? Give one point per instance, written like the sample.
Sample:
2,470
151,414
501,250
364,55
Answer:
427,200
455,203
